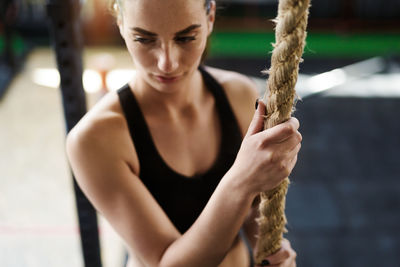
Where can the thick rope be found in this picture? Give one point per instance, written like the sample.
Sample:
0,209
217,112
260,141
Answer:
290,34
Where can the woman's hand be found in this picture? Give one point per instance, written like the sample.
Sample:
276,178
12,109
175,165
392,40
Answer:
285,257
266,157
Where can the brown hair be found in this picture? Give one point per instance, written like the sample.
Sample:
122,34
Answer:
115,6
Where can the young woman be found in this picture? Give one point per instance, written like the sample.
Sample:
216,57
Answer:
176,158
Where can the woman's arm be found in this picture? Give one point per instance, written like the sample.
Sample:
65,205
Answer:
105,172
242,94
250,225
120,196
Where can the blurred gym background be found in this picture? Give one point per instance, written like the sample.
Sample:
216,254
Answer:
344,201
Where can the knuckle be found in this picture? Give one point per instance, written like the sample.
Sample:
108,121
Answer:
299,145
274,158
259,144
295,160
286,172
289,128
295,121
286,254
265,141
298,150
299,137
283,169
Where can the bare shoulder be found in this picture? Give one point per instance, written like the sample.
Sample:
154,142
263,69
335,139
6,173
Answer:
101,120
241,92
102,131
233,82
100,152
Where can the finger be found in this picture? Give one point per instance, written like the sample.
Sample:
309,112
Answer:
292,163
296,138
291,143
281,255
278,258
293,261
265,263
269,265
286,244
257,123
287,263
295,150
281,132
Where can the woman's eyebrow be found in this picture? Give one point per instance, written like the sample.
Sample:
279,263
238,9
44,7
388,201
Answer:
188,29
152,34
142,31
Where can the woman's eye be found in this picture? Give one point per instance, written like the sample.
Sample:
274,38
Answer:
143,40
185,39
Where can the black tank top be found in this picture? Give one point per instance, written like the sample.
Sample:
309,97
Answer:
182,198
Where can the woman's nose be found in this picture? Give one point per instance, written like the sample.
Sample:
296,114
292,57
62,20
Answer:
168,59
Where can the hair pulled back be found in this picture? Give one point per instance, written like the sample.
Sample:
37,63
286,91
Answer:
115,6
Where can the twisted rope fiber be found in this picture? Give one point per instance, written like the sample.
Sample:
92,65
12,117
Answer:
290,34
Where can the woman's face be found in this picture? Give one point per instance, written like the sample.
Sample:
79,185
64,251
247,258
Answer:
166,38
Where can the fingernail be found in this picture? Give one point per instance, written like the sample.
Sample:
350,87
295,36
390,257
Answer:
257,102
265,263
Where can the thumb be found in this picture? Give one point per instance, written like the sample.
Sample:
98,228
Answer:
257,123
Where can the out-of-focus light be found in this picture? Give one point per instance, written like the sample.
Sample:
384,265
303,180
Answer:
51,78
46,77
326,80
117,78
91,81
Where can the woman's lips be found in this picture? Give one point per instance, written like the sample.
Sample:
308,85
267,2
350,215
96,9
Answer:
167,79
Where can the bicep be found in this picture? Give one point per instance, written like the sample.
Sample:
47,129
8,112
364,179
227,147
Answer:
118,193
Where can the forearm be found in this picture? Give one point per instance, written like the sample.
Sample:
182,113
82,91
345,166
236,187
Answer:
211,236
250,226
265,158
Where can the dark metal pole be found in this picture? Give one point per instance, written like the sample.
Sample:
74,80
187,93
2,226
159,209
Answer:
7,18
67,42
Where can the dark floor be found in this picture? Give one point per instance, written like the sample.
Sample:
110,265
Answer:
344,201
343,205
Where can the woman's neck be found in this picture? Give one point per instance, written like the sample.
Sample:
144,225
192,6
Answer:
187,96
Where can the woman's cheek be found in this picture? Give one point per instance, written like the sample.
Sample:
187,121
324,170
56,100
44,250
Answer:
195,52
140,55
